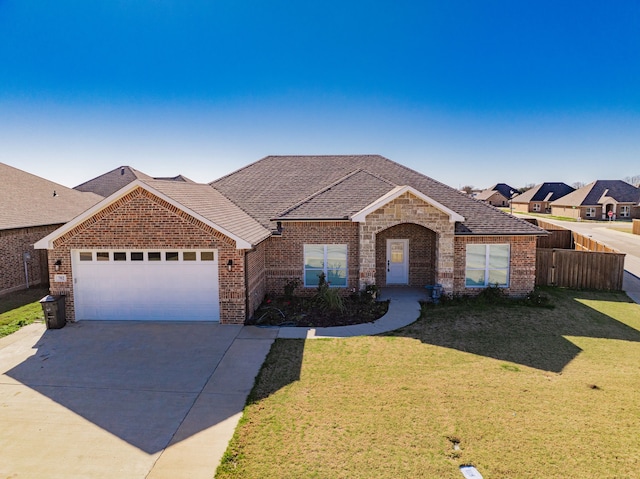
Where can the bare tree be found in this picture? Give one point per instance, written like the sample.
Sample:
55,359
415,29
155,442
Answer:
632,180
526,187
578,184
468,189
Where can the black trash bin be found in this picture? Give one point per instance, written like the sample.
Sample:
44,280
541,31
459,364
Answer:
55,316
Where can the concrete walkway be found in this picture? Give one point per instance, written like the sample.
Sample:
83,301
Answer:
404,309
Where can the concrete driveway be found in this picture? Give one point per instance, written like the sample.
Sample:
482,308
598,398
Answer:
123,399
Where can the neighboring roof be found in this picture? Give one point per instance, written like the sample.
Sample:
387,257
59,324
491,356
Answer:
486,194
544,192
328,187
504,189
28,200
593,194
110,182
199,200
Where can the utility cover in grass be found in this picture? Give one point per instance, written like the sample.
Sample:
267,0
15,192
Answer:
470,472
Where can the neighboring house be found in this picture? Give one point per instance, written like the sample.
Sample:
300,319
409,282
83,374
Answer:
107,184
30,208
597,199
539,198
186,251
497,195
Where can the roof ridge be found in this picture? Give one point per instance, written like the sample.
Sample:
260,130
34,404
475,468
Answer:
319,192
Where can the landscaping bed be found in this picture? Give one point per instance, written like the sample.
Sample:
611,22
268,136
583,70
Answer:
326,308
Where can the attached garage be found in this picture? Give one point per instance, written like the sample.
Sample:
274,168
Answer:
169,285
155,251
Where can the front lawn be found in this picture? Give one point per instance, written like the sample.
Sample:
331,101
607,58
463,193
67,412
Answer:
519,392
20,308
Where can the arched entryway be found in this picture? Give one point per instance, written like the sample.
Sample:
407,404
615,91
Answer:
412,244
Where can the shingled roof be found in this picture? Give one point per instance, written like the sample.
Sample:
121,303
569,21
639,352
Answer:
335,187
544,192
111,181
28,200
593,193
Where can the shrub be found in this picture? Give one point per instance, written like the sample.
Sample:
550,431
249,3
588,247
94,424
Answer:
290,286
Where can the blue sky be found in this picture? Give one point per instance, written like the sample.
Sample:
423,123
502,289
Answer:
467,92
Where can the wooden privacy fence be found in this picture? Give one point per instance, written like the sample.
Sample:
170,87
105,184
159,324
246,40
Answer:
579,269
584,243
636,227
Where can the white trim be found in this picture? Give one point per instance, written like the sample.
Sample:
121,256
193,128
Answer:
47,241
360,216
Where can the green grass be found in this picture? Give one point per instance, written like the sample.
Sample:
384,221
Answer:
526,392
19,309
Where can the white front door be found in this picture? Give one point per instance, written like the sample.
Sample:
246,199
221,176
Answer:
397,261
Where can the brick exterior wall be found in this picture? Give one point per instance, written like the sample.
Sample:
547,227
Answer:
285,254
522,270
256,277
408,208
13,244
140,220
422,253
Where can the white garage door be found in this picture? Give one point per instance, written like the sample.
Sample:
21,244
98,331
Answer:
171,285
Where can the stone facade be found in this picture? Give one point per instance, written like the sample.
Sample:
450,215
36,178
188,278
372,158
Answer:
13,244
140,220
522,268
422,253
408,208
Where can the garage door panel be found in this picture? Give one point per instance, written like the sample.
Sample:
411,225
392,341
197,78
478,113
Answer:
146,290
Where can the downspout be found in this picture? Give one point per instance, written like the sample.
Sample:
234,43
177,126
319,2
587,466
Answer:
26,257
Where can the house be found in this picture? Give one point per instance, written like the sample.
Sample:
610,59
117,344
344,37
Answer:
539,198
601,199
110,182
186,251
497,195
31,207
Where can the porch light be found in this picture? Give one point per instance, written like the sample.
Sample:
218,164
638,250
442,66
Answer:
57,264
230,265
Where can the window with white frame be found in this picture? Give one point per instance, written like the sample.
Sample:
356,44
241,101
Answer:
330,259
487,265
625,211
590,212
536,207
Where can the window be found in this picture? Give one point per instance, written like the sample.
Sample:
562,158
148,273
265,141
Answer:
102,256
171,256
137,256
206,256
487,265
119,256
625,211
189,256
86,256
153,256
590,213
536,207
328,259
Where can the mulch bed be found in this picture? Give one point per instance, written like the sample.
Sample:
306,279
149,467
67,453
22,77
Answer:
305,312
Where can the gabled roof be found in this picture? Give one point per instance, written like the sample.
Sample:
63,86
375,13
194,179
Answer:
111,181
398,191
504,189
327,187
28,200
486,194
198,200
544,192
593,193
